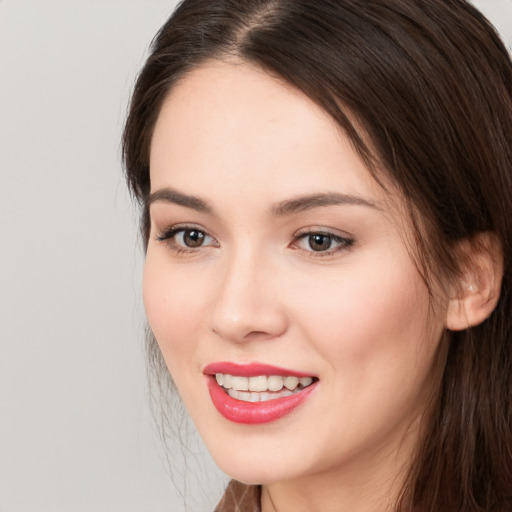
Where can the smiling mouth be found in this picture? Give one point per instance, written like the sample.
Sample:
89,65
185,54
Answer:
261,388
257,393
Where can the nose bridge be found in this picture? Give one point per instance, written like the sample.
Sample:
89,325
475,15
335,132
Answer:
245,306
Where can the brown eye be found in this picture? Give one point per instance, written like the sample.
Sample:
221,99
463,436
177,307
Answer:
193,237
186,239
323,243
319,242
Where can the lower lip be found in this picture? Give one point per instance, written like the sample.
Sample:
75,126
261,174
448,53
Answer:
255,413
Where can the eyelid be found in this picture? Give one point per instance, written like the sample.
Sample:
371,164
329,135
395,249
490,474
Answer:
172,229
322,230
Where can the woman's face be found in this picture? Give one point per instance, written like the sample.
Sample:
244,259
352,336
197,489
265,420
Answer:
273,253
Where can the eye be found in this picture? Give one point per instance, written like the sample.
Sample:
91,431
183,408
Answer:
323,243
190,238
184,238
319,242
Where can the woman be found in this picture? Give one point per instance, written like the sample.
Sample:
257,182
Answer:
326,193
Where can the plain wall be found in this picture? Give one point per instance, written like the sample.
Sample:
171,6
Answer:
75,430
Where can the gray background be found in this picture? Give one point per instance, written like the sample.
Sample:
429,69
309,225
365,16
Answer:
75,430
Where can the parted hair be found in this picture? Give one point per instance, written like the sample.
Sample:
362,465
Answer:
423,89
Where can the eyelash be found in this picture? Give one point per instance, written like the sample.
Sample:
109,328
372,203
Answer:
344,243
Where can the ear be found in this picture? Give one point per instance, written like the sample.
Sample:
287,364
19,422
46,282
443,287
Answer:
475,294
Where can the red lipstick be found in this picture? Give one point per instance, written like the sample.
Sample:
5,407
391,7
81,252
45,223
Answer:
251,370
254,413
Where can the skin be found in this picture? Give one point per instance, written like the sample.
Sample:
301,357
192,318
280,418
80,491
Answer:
357,315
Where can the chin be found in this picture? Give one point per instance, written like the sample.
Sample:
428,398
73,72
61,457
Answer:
253,463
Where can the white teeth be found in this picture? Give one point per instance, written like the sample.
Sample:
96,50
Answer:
240,383
275,383
248,396
305,381
227,380
258,383
255,397
253,388
291,382
272,396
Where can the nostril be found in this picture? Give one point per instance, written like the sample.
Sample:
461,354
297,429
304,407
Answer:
252,325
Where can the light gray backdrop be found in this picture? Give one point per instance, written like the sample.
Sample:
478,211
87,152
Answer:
75,431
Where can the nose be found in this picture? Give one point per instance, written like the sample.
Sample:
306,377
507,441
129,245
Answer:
247,303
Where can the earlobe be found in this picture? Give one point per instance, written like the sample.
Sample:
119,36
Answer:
475,295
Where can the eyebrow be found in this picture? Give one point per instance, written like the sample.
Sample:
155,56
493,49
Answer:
288,207
169,195
309,202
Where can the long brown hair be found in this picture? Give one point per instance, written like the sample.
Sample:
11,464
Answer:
423,88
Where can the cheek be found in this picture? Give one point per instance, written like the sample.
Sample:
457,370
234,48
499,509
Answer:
369,318
173,309
371,329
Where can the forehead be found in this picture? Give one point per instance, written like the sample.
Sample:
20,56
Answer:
232,123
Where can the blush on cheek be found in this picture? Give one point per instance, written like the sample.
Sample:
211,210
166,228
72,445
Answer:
357,319
173,310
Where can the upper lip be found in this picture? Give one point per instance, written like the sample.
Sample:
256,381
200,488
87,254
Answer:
251,369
